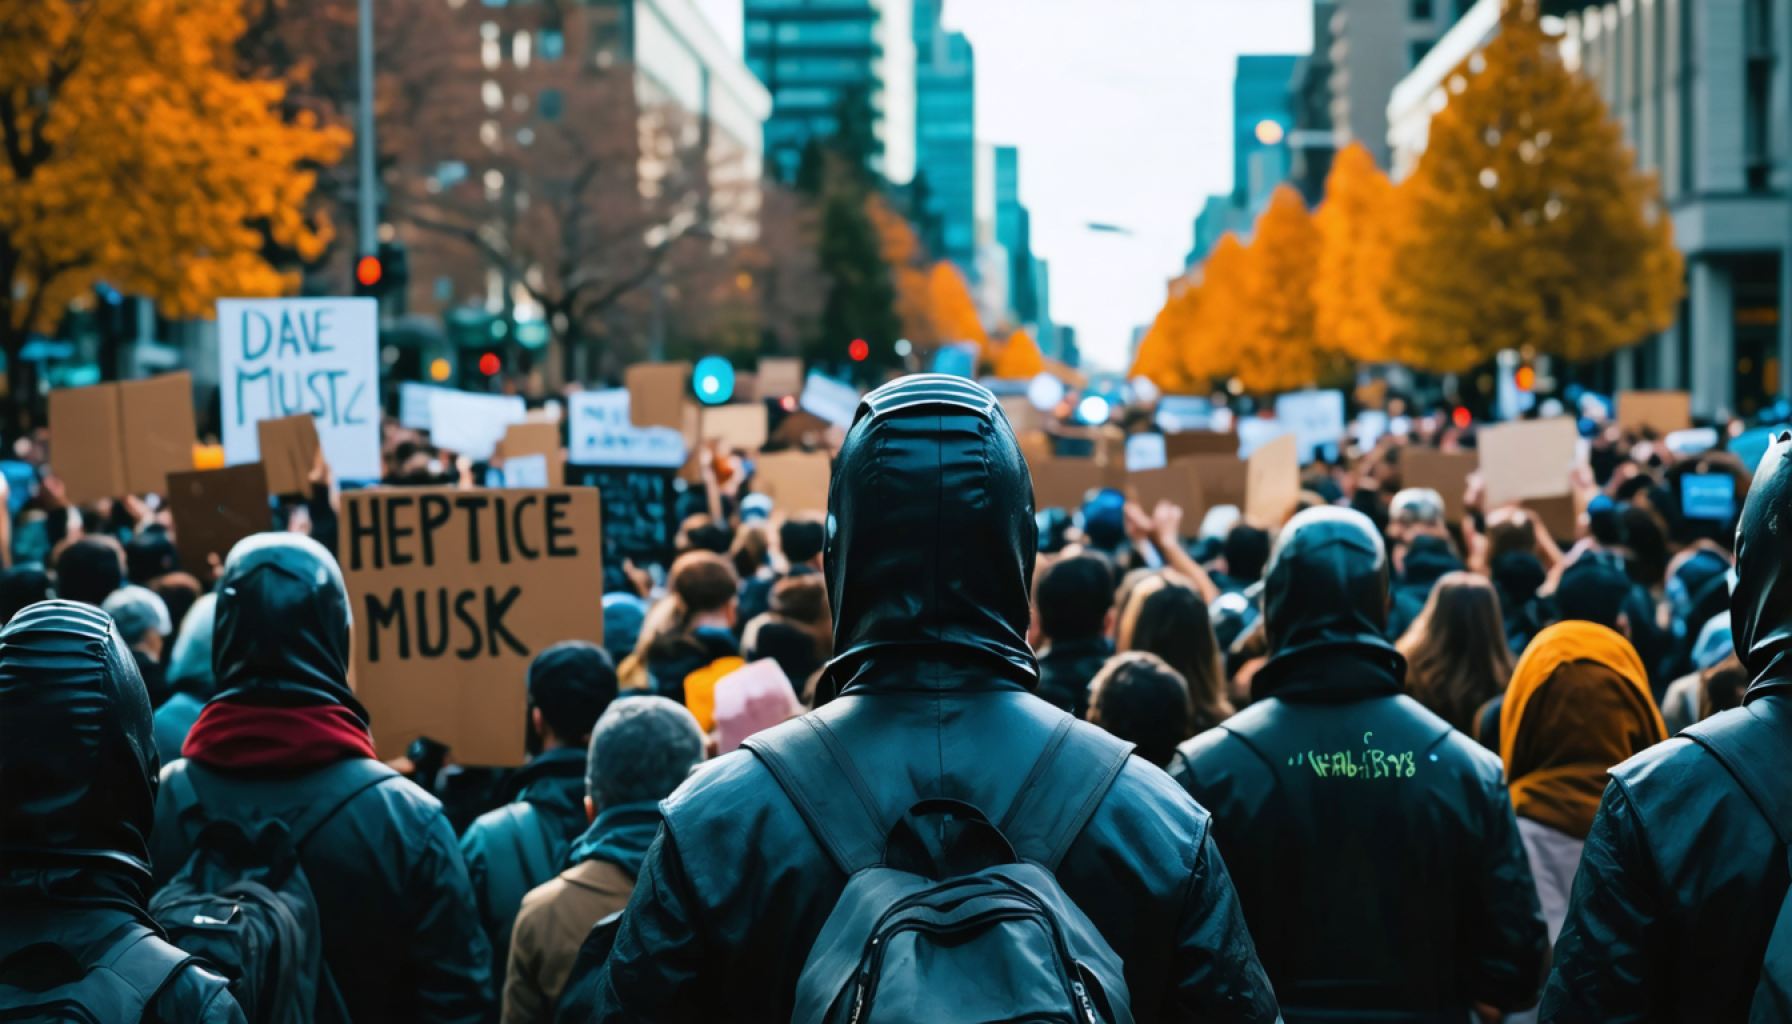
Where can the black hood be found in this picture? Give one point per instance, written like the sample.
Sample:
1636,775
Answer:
931,536
1326,586
78,759
282,633
1761,604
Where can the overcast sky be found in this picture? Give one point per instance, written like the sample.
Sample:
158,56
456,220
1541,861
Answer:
1122,112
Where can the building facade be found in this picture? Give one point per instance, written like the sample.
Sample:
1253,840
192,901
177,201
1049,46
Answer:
1311,140
1262,119
818,58
946,135
1374,43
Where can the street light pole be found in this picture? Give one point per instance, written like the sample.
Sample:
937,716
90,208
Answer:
367,241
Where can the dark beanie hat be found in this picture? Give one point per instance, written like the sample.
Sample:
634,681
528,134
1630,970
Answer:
572,683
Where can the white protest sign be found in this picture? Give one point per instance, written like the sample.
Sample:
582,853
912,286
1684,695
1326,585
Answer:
472,424
1184,412
284,357
413,404
830,399
1254,432
599,434
1316,418
1369,426
1145,451
526,471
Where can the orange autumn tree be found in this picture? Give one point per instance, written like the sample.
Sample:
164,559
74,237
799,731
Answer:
1526,222
1277,348
950,305
1159,357
1350,311
133,152
1020,358
1212,322
909,274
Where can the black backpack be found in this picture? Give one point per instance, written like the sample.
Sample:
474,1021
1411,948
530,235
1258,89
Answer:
243,904
120,987
947,916
1752,742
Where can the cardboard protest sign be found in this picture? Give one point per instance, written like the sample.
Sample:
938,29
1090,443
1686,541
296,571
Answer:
454,592
125,438
830,399
1201,442
780,377
279,357
1066,483
215,508
1272,482
1526,459
600,433
1146,451
797,482
657,394
472,424
289,447
1446,473
1021,413
1176,483
1223,479
1315,417
1559,513
1661,412
531,451
734,426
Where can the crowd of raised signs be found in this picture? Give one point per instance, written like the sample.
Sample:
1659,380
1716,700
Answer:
475,566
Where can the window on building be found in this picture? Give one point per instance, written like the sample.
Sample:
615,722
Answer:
1757,130
1416,50
551,44
1421,10
549,104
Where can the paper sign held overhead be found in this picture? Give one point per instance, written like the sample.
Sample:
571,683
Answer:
215,508
1176,483
797,482
599,433
1066,483
289,447
1254,432
830,399
1661,412
658,393
780,377
1272,483
413,404
1446,473
530,451
472,424
1145,451
1315,417
1527,459
1222,479
110,440
735,426
1201,442
453,593
280,357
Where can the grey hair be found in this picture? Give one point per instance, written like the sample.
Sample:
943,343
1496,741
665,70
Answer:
641,749
1417,505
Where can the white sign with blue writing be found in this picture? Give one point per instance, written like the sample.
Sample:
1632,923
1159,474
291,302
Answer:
599,434
283,357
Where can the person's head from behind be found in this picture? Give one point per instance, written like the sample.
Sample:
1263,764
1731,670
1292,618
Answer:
1246,551
707,590
570,685
142,618
1593,589
78,760
1761,603
802,540
931,535
1415,510
151,554
641,749
1456,653
1165,616
748,553
21,587
1327,584
1142,700
282,629
624,615
89,569
701,533
1074,597
190,666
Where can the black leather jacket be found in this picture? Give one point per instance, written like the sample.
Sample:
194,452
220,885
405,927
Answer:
1373,846
1682,876
929,560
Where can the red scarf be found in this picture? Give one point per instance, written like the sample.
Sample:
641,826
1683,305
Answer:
246,736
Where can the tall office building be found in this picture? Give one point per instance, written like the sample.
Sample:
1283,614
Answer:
1374,43
946,136
1014,233
1262,118
1311,141
816,57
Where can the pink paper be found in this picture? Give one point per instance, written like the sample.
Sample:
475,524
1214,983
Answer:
752,699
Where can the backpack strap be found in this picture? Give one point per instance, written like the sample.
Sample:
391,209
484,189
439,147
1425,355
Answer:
807,760
1751,743
528,830
1068,782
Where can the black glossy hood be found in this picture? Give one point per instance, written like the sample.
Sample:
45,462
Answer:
282,633
1761,604
931,536
78,759
1326,586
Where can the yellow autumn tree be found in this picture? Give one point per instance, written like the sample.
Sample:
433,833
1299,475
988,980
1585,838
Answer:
1159,357
953,310
134,153
908,272
1526,221
1020,358
1209,330
1350,311
1276,347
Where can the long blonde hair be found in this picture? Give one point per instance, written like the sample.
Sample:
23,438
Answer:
1165,616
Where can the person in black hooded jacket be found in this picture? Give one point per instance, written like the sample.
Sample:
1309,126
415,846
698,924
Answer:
1682,876
1373,846
929,554
401,937
77,799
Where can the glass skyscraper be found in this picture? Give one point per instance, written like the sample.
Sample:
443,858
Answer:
946,135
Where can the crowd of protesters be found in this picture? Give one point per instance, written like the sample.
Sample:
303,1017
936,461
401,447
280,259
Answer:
1386,764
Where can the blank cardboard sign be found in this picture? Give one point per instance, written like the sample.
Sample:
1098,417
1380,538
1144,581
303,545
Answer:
657,393
1177,483
1527,459
454,593
289,447
156,423
735,426
1200,442
1660,411
215,508
1222,477
85,451
1272,482
110,440
1066,483
797,482
534,441
780,377
1446,473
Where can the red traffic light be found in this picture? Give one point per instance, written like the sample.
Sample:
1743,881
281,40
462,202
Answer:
368,271
859,350
1525,377
1461,417
488,364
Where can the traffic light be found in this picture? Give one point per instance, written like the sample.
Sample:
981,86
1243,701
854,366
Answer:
490,363
384,276
859,350
713,380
